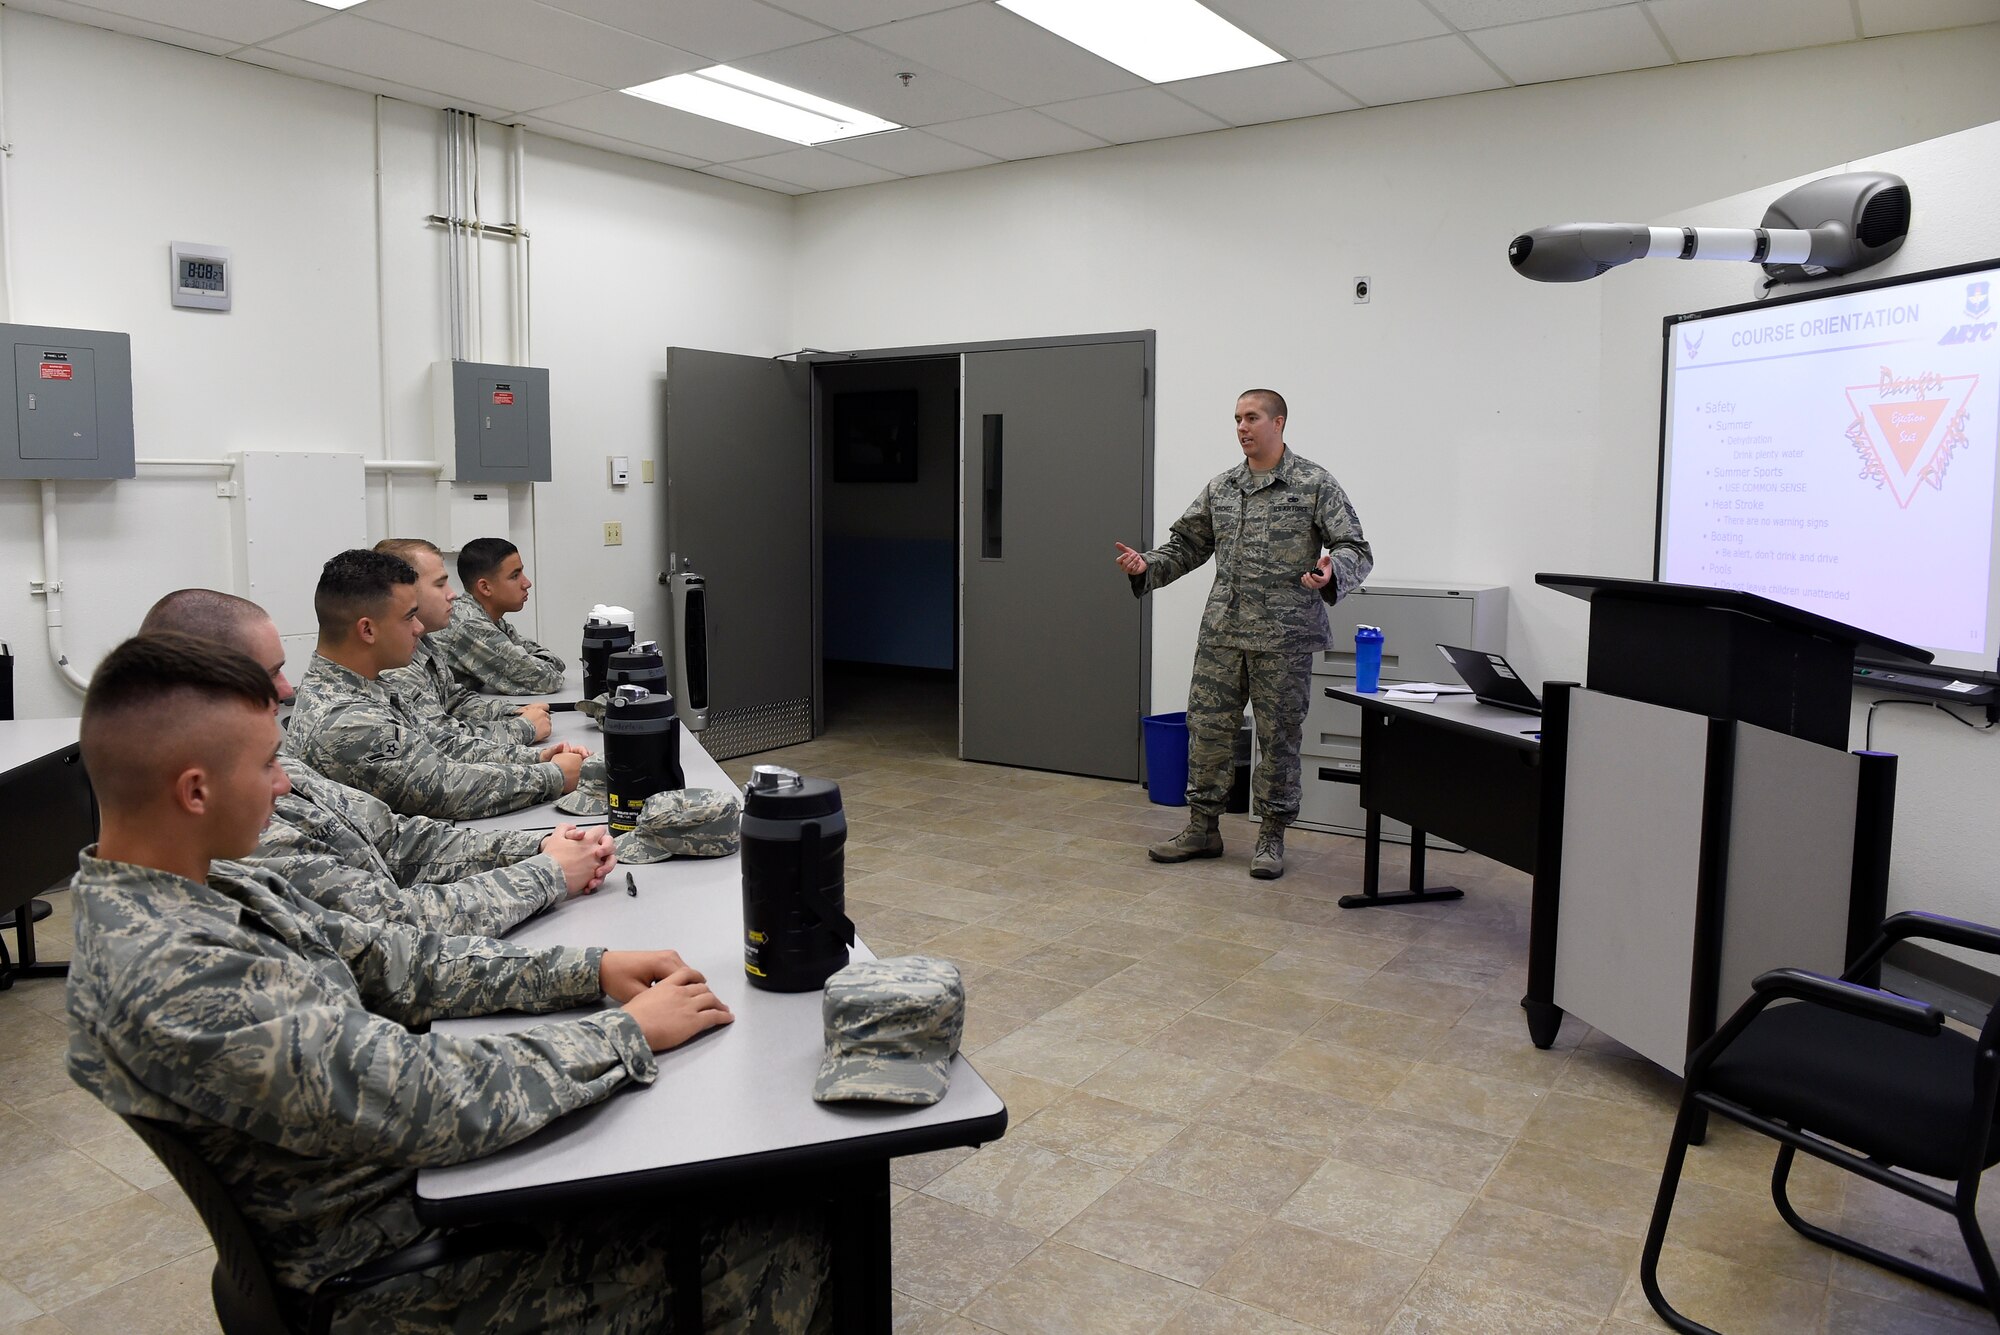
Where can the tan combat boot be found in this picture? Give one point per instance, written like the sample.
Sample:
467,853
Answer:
1201,839
1268,863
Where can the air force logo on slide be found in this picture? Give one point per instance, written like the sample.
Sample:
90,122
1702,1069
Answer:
1691,340
1976,299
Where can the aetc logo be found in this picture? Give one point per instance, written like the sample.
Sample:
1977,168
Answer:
1978,299
1907,427
1691,340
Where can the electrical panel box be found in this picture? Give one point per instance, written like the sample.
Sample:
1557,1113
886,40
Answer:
491,421
66,408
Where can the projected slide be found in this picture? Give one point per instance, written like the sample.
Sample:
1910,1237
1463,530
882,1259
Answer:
1838,455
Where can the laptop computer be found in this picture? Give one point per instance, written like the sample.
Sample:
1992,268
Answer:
1492,679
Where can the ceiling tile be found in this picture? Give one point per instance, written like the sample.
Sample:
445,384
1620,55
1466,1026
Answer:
98,18
610,143
240,22
623,116
993,49
1573,46
1490,13
729,173
1133,115
1266,93
312,69
850,15
1434,67
1882,17
722,30
864,77
350,42
815,169
536,35
911,153
1017,134
1302,28
1706,29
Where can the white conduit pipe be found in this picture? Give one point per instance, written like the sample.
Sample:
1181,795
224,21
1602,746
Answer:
52,591
382,341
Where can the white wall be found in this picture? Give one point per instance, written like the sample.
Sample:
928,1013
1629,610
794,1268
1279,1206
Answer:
1946,841
122,145
1459,407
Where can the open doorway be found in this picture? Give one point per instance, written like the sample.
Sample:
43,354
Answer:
889,506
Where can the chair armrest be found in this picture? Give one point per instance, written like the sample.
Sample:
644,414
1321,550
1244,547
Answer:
1867,1002
1937,927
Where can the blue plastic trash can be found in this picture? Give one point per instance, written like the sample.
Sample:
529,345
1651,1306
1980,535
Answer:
1166,758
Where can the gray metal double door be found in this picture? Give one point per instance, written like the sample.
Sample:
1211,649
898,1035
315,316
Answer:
1052,642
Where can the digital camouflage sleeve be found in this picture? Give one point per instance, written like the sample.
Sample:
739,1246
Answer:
351,730
489,655
348,851
430,692
283,1038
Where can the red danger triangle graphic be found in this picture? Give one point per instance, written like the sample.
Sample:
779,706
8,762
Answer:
1905,434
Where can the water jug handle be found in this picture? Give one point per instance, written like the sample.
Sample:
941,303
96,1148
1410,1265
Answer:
816,900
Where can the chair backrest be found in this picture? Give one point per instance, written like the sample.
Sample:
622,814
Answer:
246,1296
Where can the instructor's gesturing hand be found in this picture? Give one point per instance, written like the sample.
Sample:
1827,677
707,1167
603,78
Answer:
1319,576
1130,561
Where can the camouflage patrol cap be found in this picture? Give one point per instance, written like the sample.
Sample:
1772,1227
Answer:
593,708
590,796
892,1028
683,823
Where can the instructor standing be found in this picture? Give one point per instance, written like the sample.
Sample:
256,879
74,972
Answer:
1267,521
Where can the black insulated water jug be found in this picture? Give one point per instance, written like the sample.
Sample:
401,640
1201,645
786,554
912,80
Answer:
601,639
640,665
795,925
642,752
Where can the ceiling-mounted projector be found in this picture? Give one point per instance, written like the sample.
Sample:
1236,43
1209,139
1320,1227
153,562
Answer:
1834,225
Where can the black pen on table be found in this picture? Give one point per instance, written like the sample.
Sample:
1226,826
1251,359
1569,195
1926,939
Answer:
631,886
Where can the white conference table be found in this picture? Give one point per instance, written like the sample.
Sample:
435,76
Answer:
732,1112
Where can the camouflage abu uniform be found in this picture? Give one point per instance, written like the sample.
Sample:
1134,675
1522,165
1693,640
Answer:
348,851
1261,626
432,694
280,1039
487,654
356,731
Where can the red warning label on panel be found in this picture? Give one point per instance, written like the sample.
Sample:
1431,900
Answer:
58,371
503,398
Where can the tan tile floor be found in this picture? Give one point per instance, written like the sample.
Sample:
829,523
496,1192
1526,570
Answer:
1234,1106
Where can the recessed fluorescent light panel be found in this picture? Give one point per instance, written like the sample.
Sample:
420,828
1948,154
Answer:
1158,40
336,4
724,94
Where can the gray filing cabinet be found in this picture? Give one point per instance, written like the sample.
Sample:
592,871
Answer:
1415,618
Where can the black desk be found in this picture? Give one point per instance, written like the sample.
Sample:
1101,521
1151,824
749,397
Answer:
47,813
1455,768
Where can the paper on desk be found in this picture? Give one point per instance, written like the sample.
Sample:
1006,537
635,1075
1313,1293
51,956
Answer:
1415,697
1427,688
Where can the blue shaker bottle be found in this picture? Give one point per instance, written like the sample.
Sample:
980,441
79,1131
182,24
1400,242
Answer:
1367,659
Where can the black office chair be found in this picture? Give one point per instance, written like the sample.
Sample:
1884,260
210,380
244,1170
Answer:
246,1295
1864,1079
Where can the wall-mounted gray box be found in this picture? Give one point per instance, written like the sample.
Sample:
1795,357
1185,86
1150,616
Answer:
66,406
492,421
